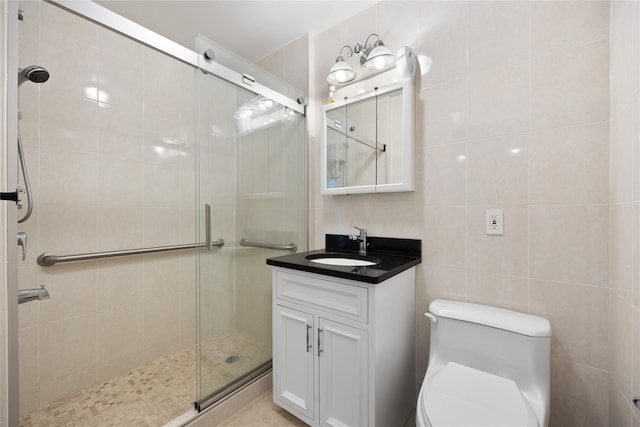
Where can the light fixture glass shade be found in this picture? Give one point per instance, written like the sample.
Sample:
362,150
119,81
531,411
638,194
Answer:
378,59
341,72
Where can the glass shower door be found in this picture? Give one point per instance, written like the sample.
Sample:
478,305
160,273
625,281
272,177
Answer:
252,172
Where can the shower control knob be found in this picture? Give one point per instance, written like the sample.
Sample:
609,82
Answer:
22,242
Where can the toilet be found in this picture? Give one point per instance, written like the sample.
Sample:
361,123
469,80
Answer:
487,367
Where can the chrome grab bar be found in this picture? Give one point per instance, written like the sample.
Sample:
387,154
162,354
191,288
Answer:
47,259
290,247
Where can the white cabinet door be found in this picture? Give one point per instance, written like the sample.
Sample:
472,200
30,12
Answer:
344,375
293,359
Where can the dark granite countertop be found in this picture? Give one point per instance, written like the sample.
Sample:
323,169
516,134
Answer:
395,255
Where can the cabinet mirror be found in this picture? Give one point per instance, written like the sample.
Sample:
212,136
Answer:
368,142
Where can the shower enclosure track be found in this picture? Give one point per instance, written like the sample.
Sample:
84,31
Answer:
47,259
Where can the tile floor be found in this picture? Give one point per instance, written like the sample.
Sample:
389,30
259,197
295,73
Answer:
262,412
156,393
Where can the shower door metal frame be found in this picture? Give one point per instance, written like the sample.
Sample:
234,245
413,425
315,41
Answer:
10,342
103,16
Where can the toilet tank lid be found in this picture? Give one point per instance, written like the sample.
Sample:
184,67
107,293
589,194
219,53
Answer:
521,323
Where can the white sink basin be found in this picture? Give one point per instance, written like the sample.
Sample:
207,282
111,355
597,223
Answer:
343,260
347,262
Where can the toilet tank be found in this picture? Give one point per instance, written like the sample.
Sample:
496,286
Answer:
502,342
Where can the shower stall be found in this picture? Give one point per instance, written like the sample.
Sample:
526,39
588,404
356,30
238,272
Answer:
161,180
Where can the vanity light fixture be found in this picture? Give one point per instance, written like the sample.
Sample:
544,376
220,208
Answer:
373,57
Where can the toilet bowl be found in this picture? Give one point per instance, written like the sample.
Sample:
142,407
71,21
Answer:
487,367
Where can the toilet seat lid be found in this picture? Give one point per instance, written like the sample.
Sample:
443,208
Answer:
462,396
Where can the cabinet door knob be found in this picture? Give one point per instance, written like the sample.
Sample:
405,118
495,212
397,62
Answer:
319,349
309,345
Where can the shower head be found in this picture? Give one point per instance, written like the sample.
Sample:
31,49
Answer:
34,73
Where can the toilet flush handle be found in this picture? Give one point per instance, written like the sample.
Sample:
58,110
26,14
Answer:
431,317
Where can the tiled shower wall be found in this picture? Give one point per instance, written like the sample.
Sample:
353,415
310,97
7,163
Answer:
624,246
109,142
513,114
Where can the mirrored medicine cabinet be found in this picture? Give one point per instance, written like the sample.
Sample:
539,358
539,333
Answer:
367,144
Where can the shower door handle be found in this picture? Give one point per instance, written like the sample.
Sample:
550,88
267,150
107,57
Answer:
309,345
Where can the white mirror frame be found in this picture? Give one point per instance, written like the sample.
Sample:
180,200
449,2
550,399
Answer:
407,182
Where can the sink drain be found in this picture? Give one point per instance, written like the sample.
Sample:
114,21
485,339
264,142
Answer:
232,359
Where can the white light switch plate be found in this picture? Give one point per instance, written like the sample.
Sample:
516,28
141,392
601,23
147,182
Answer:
494,221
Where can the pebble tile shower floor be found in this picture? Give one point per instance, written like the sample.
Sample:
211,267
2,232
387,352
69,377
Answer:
154,394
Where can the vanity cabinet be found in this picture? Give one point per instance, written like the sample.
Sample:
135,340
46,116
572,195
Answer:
343,350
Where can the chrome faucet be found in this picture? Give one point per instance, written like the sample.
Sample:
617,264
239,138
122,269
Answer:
362,238
26,295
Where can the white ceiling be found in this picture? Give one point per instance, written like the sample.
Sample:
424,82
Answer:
252,29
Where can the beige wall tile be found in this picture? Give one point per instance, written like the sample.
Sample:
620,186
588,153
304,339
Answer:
635,233
118,338
446,246
570,165
120,228
570,248
55,339
621,343
69,25
120,182
442,41
274,62
561,25
422,351
67,230
119,282
445,283
442,111
29,399
621,160
81,186
621,250
161,276
498,33
66,385
580,395
498,100
579,319
68,123
444,175
397,24
622,58
398,214
635,352
500,291
161,186
498,170
161,328
28,354
72,62
161,227
619,411
636,140
570,87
